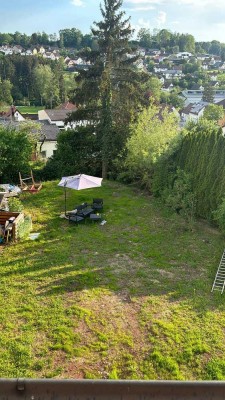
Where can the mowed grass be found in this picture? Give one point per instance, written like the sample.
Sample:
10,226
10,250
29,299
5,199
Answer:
30,109
127,300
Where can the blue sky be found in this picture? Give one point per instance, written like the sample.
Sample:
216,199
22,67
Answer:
205,19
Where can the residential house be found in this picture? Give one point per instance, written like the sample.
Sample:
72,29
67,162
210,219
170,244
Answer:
213,77
214,84
17,49
47,140
205,65
193,112
197,87
141,52
7,50
57,116
170,109
160,68
46,135
28,52
50,56
41,50
54,117
12,114
203,57
67,106
152,52
161,57
167,87
215,65
184,55
171,74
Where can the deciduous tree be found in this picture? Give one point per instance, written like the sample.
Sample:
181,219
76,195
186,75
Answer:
152,135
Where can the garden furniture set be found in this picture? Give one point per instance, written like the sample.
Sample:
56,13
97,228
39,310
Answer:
86,211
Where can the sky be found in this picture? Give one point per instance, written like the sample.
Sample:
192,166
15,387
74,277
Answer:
204,19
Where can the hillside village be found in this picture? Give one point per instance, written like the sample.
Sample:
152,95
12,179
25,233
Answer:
168,68
172,70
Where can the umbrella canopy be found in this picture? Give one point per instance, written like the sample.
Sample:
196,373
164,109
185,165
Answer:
79,182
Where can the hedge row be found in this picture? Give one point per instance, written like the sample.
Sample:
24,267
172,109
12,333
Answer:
201,153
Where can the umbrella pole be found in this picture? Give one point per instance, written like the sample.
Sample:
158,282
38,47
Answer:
65,197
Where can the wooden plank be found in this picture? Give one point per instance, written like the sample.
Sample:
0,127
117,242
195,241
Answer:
5,215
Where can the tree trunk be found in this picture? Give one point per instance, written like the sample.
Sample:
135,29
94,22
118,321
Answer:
104,169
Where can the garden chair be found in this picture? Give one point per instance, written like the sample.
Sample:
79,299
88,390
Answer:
97,204
84,210
76,218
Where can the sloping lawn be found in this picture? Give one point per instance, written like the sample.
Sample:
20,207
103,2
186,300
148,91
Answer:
129,300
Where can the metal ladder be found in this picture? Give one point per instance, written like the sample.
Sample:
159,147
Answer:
219,282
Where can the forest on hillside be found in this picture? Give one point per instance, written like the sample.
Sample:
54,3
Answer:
31,80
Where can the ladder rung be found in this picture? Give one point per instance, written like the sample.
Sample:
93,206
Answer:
219,281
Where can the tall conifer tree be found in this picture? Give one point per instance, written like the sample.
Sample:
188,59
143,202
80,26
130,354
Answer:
208,93
110,90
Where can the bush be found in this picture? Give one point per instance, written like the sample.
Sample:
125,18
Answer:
15,204
25,227
219,215
180,197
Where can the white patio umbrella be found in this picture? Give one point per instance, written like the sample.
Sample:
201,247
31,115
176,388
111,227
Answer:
79,182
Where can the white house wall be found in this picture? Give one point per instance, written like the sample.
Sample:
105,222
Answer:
43,116
48,147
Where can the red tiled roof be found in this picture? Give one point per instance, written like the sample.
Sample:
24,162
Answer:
67,106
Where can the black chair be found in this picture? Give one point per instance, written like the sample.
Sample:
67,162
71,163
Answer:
84,210
95,217
76,218
97,204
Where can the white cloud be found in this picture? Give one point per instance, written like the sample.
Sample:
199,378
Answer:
142,8
161,19
77,3
141,23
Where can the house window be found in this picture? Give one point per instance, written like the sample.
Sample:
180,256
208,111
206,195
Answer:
43,154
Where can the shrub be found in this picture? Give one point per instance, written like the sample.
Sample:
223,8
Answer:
219,215
15,204
180,197
25,227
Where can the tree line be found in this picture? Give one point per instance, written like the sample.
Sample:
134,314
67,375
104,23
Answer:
175,42
66,38
74,39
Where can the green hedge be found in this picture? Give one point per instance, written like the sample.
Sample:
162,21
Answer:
201,153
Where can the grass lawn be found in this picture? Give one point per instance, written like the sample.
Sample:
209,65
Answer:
29,109
129,300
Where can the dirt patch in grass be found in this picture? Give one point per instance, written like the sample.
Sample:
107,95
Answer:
165,273
111,331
